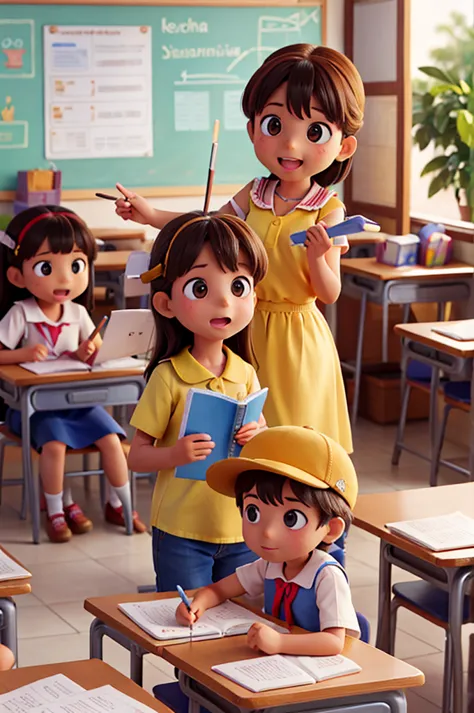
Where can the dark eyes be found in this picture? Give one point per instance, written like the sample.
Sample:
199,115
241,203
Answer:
318,133
252,513
241,287
78,266
195,289
43,268
270,125
295,519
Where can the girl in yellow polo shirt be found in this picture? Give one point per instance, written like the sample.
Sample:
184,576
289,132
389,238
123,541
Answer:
203,272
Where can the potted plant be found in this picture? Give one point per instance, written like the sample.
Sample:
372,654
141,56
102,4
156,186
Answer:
443,115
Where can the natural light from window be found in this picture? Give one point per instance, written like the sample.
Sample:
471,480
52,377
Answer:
426,16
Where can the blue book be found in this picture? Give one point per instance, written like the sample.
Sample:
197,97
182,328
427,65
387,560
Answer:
221,417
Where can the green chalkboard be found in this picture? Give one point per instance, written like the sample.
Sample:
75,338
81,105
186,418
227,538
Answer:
206,51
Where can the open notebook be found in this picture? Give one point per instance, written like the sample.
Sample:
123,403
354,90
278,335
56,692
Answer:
9,569
158,619
128,332
454,531
58,694
269,672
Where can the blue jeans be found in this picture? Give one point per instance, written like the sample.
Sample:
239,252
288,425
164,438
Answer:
193,563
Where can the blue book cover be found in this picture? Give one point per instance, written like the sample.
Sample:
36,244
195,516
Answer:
221,417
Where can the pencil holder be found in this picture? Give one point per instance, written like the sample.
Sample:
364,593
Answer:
435,246
37,188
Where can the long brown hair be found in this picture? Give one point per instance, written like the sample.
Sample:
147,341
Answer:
63,229
227,235
311,71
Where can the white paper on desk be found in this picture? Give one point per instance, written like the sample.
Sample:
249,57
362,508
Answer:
128,332
55,366
97,700
439,533
9,569
44,692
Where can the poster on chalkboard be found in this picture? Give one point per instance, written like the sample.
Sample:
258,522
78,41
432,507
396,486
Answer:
98,88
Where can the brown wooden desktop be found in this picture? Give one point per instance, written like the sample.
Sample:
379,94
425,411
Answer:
452,569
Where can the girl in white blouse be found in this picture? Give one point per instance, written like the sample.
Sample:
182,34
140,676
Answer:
46,255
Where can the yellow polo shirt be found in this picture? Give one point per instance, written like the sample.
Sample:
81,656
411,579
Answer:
189,508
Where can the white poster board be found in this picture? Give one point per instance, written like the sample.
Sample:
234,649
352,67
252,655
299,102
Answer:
98,91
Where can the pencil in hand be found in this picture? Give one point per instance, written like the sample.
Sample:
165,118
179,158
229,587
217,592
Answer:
212,163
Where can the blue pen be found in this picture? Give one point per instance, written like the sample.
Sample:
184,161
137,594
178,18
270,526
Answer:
187,604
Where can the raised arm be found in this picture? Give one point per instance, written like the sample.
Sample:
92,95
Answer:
324,260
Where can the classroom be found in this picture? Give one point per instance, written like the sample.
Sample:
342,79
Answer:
236,463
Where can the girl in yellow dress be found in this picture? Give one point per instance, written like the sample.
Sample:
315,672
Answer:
304,106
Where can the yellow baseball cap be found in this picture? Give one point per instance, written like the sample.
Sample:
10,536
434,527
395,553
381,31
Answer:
296,452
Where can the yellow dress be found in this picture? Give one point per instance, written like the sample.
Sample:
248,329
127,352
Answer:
295,353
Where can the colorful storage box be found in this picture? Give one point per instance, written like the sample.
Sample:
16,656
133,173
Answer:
435,246
27,198
398,250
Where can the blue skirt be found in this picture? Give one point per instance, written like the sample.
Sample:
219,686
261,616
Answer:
77,427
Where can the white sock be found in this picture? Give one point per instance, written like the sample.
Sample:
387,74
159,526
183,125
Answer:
121,496
54,503
67,497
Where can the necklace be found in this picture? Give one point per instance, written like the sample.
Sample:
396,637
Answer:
288,200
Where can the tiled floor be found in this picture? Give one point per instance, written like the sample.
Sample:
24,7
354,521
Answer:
53,625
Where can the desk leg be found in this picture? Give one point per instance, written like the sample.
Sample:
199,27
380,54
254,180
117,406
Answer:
136,664
457,585
385,588
28,472
358,362
434,386
330,312
8,630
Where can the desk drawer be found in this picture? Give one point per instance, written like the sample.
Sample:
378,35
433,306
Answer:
64,397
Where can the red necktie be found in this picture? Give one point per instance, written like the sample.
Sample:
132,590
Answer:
284,592
50,332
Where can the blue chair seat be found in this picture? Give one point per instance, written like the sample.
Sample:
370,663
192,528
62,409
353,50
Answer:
428,598
416,371
458,391
172,696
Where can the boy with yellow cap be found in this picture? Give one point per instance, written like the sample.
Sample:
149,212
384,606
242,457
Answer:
295,489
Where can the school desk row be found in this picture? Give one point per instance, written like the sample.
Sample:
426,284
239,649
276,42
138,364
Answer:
381,678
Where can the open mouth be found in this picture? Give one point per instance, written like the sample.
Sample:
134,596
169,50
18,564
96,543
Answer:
220,322
290,164
61,293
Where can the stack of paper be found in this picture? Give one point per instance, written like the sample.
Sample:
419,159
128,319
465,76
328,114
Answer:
454,531
58,694
9,569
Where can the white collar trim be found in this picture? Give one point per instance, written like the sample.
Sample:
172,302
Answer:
263,195
305,578
33,313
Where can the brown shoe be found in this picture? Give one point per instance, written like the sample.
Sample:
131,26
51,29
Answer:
77,521
115,517
57,528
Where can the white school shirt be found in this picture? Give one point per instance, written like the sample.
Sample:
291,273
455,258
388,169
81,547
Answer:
25,325
332,593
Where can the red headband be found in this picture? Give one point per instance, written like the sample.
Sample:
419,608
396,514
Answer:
39,217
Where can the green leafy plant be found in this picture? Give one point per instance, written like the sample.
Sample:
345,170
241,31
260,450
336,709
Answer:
443,113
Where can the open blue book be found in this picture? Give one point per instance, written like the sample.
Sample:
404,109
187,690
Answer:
221,417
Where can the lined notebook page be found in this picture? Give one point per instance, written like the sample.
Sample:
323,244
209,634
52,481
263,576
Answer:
454,531
9,569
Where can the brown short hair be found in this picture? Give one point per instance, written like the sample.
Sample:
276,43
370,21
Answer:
270,488
311,71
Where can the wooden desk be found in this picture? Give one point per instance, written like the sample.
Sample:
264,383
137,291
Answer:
380,677
8,618
442,354
111,260
88,674
28,393
370,281
451,571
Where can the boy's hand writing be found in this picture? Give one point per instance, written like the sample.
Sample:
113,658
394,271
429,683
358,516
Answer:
261,637
317,241
192,448
38,352
186,618
134,207
247,432
85,350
